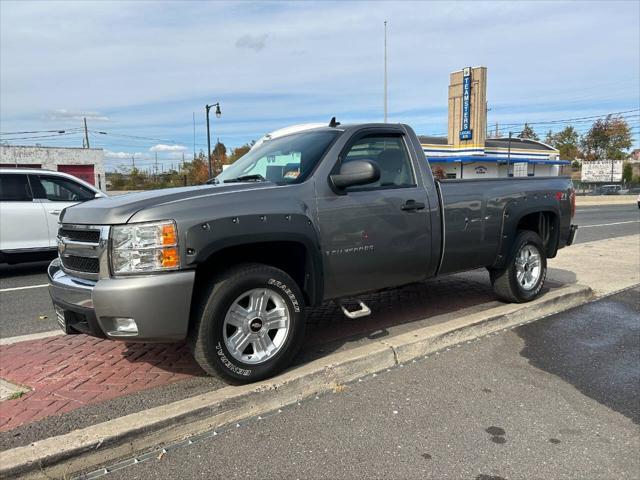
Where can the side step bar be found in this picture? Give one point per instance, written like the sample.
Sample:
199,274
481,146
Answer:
364,311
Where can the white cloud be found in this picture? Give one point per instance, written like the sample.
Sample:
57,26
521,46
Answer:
168,148
122,155
252,42
64,114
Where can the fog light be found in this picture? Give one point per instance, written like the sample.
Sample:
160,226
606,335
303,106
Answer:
123,327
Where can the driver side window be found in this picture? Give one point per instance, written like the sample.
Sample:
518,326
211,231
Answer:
390,153
63,190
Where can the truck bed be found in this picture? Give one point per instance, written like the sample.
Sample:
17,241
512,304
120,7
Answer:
479,213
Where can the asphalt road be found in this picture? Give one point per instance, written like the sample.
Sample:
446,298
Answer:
606,221
28,310
555,399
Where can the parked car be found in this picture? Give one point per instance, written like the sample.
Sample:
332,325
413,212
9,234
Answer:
31,201
638,199
327,213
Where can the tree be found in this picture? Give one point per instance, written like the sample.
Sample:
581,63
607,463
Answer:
218,157
238,152
607,139
549,139
197,171
567,142
528,132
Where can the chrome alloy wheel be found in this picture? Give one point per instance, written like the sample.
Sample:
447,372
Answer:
256,325
528,266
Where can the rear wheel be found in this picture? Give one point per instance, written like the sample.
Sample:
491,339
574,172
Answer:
523,276
250,324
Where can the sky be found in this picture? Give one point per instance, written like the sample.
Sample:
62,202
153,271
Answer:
139,70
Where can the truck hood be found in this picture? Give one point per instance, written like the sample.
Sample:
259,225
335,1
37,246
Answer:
120,208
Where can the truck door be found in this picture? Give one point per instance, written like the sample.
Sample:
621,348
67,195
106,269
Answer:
378,235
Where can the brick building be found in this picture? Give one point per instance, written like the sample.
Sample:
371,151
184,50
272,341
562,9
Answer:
84,163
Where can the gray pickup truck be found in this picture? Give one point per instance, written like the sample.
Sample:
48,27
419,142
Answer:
321,215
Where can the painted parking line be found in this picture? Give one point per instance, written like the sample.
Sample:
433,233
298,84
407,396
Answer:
31,336
608,224
13,289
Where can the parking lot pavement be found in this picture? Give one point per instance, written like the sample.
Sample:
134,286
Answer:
25,306
74,375
558,398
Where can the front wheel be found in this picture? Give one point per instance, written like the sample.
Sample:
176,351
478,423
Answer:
250,324
523,276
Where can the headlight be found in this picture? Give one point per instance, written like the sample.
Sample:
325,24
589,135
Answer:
144,247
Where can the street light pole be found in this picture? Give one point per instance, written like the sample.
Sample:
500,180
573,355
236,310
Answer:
218,114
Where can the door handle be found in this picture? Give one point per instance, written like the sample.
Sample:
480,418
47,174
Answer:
54,212
412,205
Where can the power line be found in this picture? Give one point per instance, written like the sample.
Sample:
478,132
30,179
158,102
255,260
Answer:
136,137
571,119
62,130
41,136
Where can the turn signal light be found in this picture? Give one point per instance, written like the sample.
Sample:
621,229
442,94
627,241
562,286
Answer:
169,234
170,257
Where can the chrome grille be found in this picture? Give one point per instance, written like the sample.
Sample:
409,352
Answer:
81,264
83,250
90,236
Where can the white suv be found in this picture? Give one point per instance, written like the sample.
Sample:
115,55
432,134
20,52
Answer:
30,204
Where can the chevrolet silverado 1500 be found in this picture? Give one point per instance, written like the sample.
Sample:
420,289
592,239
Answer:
324,214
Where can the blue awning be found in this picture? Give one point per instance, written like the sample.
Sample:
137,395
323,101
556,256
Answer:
494,159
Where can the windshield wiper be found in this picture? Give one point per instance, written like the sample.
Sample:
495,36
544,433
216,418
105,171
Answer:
256,177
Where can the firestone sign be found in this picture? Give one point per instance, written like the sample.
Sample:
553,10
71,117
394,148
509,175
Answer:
465,130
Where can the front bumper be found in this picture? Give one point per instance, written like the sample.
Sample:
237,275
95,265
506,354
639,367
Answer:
159,304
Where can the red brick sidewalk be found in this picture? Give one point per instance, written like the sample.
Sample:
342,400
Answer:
68,372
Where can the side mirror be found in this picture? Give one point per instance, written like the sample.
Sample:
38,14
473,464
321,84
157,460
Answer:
99,195
356,172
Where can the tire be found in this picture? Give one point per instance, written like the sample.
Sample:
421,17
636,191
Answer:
520,282
231,335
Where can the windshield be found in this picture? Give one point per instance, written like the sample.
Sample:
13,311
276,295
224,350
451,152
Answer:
283,160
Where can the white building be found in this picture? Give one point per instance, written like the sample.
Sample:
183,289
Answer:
499,158
84,163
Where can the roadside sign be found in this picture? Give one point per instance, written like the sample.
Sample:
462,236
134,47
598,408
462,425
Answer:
520,169
465,129
598,171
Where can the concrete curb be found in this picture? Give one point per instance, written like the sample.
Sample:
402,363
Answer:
81,449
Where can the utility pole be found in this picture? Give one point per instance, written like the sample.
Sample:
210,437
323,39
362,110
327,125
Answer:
497,131
194,137
509,152
155,168
86,133
385,71
133,162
